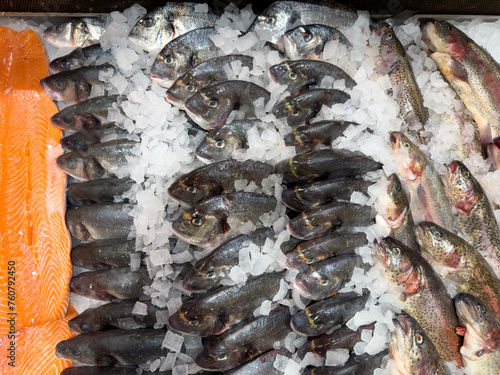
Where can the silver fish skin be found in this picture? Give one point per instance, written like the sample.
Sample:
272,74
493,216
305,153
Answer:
262,365
78,32
182,54
103,254
82,139
78,58
157,28
97,191
102,370
211,106
364,364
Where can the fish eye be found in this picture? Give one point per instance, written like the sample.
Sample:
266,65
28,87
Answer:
168,60
192,189
397,186
310,261
318,326
76,353
222,357
198,221
295,112
213,103
481,308
292,75
307,36
437,234
211,274
467,174
389,35
406,144
194,322
70,162
190,88
60,84
220,143
148,22
396,251
447,26
323,282
57,28
271,20
419,338
85,328
67,121
65,64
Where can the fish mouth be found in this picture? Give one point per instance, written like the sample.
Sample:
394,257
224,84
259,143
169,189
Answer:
452,168
160,81
272,74
420,235
53,95
464,307
395,140
381,253
401,323
299,287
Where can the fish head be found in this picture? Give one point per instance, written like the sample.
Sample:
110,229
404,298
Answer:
211,106
75,141
80,324
87,284
64,64
439,245
272,23
300,138
394,201
180,91
72,163
315,285
71,120
291,108
442,36
152,32
220,357
169,65
294,198
76,349
191,188
217,145
411,159
461,187
289,73
63,88
311,223
72,33
203,277
312,321
193,319
493,151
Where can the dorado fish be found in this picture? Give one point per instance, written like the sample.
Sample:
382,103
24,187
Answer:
82,139
78,32
78,58
103,254
262,365
98,191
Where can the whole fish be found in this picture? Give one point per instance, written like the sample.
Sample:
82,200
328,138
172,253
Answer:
427,195
301,108
82,139
324,247
214,312
78,32
99,221
319,317
262,365
397,216
313,194
158,27
117,347
97,191
364,364
462,262
326,278
103,254
395,63
205,74
326,163
183,53
298,75
112,284
206,223
423,295
281,16
221,142
77,85
308,41
412,350
212,105
245,341
333,217
481,330
101,160
77,58
475,218
216,178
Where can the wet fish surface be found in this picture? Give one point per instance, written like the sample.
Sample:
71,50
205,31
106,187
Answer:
103,254
97,191
262,365
364,364
79,32
78,58
82,139
102,370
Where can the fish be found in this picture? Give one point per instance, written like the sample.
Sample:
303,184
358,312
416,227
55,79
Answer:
308,41
98,161
299,109
183,53
463,263
98,191
111,285
412,350
221,142
78,32
396,213
77,85
423,295
78,58
262,365
159,26
281,16
326,278
304,196
364,364
99,221
211,106
319,317
245,341
481,330
475,218
205,74
117,347
332,217
298,75
86,115
324,247
215,179
215,312
395,63
326,163
103,254
493,151
426,192
107,370
307,137
82,139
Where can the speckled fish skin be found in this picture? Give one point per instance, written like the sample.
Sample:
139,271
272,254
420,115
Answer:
363,364
262,365
395,63
465,265
245,341
204,74
326,163
475,218
481,330
97,191
427,196
77,58
319,317
298,75
493,151
103,254
301,108
324,247
411,349
397,216
79,32
211,106
423,295
112,284
304,196
158,27
216,178
215,312
116,347
182,54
